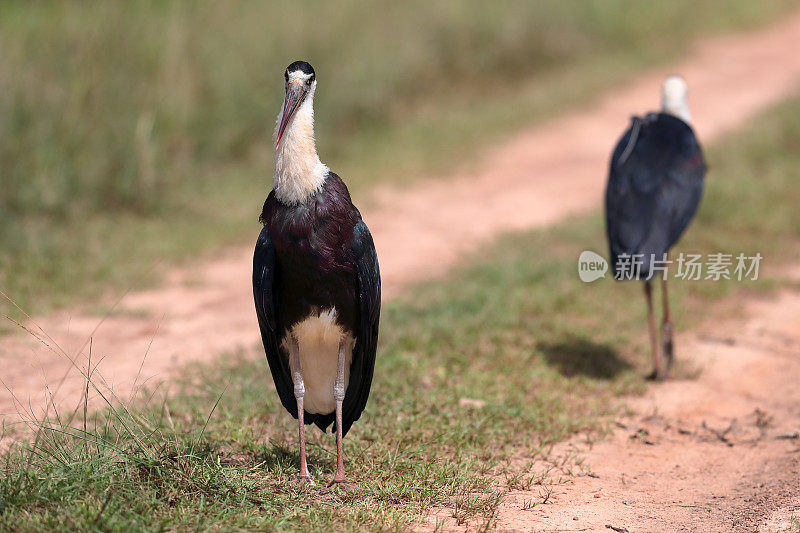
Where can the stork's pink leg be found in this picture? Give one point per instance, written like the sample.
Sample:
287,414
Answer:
299,394
658,372
338,395
667,344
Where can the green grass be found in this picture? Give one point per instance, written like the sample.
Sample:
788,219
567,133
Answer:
542,354
139,134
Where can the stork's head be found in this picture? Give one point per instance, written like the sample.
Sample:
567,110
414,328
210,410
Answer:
300,85
674,98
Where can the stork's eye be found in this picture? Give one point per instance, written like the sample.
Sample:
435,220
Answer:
309,80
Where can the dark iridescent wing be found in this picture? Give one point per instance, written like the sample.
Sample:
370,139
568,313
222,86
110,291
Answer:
265,277
368,279
654,187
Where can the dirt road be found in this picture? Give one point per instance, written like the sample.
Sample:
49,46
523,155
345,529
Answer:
541,176
716,453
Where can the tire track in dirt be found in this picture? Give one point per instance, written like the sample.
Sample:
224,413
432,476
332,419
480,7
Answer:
541,176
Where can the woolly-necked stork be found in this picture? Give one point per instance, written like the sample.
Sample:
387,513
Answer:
654,187
316,281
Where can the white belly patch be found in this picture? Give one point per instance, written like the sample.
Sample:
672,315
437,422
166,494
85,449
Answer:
318,338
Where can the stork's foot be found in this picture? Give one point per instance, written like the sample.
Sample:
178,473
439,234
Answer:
657,375
667,346
305,480
341,485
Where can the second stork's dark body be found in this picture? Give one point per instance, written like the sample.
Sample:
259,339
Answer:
654,188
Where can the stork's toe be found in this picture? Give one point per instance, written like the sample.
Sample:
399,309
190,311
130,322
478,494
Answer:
341,485
305,480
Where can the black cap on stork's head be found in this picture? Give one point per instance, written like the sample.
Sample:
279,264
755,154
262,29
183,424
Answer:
300,84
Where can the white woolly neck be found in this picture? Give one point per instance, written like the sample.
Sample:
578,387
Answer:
675,98
298,171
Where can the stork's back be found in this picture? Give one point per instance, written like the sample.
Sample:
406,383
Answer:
654,188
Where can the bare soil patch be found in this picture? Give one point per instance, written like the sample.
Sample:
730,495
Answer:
717,453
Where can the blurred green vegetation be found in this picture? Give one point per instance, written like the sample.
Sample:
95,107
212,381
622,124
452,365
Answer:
139,132
476,375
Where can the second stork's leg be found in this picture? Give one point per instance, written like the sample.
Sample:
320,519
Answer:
299,394
658,371
338,395
667,343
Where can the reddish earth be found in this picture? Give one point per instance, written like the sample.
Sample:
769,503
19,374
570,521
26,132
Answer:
690,478
720,452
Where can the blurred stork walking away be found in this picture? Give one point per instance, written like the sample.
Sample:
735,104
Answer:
316,282
654,187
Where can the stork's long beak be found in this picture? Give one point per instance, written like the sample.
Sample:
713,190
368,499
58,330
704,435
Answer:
295,94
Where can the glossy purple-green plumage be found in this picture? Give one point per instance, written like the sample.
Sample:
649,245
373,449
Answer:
312,257
654,188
